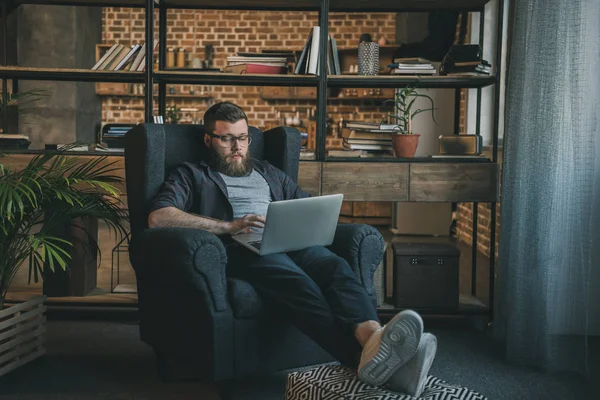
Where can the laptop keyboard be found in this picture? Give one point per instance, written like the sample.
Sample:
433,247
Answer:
255,244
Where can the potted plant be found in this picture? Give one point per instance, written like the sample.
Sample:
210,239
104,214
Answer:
17,104
52,189
404,141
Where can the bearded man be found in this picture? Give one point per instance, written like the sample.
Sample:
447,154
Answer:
228,194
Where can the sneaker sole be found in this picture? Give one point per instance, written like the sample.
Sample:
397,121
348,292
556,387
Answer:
398,345
425,361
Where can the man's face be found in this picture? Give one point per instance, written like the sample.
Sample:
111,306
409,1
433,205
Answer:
229,157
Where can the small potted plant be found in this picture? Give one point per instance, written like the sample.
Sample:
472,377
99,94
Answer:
404,141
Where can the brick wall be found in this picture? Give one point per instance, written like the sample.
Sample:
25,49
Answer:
233,31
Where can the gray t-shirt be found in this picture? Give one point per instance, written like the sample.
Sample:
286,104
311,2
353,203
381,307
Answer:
248,194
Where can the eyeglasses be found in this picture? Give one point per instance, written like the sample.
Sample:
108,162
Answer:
227,140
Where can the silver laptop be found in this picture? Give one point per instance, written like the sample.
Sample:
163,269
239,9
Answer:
295,225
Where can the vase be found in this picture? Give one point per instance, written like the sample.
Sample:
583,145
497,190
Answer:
405,145
368,58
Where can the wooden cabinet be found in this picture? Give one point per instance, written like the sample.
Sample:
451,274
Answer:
366,181
454,182
309,177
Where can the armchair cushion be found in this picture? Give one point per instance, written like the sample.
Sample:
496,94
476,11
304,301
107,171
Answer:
245,302
362,246
180,257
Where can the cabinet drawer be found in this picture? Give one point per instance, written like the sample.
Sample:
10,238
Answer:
366,181
309,177
454,182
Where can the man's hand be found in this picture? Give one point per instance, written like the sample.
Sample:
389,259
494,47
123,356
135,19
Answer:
246,223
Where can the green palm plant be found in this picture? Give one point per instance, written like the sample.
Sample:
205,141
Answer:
53,189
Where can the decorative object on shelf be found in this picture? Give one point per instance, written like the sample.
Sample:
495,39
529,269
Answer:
471,145
365,37
180,62
404,141
49,194
170,57
382,41
368,58
209,54
17,105
173,114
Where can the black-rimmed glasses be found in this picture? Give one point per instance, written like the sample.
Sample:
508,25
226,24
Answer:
227,140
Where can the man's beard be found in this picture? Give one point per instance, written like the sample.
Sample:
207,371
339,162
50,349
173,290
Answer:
230,168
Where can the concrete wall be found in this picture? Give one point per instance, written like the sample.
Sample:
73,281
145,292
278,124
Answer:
59,37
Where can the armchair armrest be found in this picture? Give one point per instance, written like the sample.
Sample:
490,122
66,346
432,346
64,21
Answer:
282,149
362,247
184,257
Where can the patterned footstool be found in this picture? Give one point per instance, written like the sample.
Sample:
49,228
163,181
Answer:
341,383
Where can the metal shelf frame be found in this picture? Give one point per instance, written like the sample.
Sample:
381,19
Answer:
322,81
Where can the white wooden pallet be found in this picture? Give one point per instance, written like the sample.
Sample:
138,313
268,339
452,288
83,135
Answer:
22,333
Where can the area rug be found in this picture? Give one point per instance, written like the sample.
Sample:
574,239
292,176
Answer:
341,383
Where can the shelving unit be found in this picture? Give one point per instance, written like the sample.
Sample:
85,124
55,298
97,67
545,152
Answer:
360,179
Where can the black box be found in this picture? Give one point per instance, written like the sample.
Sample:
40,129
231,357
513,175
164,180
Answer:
426,275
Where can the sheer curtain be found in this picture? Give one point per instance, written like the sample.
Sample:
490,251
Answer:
548,282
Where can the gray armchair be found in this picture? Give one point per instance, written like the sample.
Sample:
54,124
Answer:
200,323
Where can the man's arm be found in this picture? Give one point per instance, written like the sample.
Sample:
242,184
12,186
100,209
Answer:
174,217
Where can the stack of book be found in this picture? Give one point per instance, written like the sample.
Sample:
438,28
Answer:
412,66
366,139
258,63
310,59
123,58
465,60
113,135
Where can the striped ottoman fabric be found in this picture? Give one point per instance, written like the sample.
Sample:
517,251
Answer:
341,383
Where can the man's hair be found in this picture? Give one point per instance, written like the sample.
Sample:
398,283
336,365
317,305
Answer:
223,111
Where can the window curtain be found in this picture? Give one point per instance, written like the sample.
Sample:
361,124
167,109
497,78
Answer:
548,280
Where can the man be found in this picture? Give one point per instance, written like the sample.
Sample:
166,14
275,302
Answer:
228,194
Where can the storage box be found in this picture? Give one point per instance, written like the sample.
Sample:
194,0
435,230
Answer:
426,275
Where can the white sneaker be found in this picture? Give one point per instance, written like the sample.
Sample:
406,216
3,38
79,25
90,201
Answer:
411,378
390,347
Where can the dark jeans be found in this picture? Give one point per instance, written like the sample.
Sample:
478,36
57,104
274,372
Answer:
315,289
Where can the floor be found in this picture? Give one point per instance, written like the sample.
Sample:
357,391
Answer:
95,352
99,356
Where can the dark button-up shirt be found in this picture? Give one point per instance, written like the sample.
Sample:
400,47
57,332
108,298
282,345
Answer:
197,188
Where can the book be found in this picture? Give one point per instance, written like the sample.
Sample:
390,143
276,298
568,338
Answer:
370,126
313,61
104,57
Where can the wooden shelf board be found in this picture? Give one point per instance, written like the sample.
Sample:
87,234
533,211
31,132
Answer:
394,81
466,160
404,5
88,3
169,96
69,74
335,98
223,78
97,297
296,5
467,305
